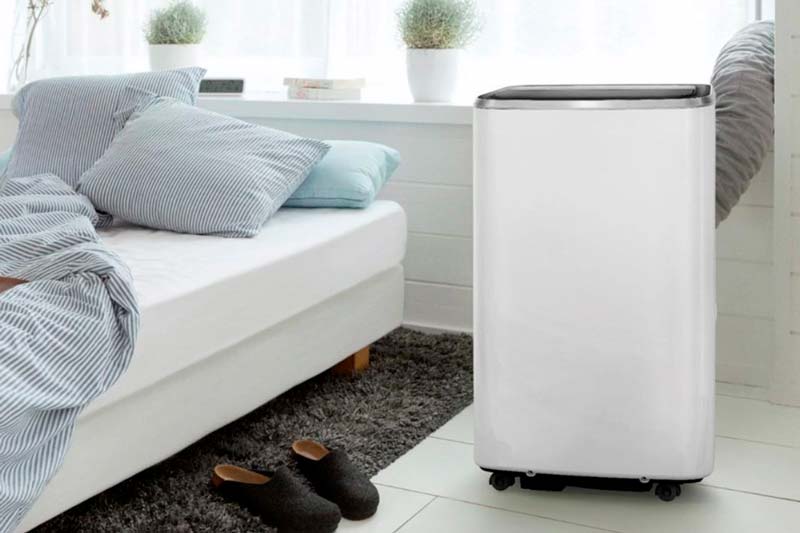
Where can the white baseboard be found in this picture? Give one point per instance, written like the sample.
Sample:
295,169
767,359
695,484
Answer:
425,328
438,307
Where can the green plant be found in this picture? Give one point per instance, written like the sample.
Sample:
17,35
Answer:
438,23
179,23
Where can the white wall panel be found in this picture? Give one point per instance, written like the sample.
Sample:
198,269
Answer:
794,113
793,165
745,339
795,245
744,345
441,209
439,259
8,129
785,371
744,289
746,235
794,74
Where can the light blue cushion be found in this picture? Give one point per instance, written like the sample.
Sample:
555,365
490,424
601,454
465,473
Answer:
4,156
350,175
177,167
65,124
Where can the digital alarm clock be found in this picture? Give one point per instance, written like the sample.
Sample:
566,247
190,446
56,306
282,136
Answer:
222,86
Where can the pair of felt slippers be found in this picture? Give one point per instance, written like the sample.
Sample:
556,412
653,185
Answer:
284,502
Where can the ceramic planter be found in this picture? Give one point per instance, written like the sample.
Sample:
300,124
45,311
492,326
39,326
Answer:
432,73
170,56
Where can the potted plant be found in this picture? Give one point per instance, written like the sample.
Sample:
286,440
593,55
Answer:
174,34
434,32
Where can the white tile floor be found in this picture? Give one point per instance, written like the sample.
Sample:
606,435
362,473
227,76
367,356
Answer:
755,486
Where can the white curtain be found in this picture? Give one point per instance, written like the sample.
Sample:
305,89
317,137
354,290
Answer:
523,41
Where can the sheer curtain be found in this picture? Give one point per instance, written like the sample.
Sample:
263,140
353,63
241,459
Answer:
523,41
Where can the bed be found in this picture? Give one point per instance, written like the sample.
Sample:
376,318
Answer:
227,325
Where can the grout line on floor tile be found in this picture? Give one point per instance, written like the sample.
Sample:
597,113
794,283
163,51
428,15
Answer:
380,484
452,440
436,496
461,442
761,494
412,517
754,441
530,514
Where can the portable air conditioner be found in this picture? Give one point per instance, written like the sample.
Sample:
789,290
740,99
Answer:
595,286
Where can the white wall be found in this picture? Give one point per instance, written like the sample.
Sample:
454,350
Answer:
745,321
434,185
8,128
785,384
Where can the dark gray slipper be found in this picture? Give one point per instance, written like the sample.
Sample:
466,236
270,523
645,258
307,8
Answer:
278,498
337,479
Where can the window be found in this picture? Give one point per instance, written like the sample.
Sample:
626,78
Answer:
523,41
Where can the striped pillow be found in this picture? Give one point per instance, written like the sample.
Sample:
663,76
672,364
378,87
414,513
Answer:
180,168
65,124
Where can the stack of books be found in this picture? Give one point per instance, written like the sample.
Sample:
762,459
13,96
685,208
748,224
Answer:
324,89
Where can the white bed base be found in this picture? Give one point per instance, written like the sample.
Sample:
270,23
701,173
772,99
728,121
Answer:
140,430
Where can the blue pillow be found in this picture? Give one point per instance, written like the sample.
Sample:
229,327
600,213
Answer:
350,175
4,157
177,167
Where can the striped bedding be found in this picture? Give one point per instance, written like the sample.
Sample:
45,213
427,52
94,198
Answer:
66,334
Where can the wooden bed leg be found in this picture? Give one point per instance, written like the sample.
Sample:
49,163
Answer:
357,362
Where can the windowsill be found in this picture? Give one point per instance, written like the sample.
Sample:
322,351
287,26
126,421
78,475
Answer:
277,105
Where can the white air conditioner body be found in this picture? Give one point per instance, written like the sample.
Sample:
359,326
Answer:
594,296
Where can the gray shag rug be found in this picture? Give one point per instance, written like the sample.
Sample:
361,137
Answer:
416,382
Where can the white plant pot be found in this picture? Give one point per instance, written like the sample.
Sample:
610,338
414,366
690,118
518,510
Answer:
432,73
169,56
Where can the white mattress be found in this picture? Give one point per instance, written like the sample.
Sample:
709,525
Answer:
199,295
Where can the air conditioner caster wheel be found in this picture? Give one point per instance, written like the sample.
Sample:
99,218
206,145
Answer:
667,492
501,480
